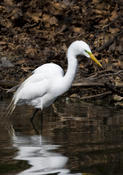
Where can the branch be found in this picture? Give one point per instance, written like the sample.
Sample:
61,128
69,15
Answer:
97,95
7,84
114,89
108,43
88,84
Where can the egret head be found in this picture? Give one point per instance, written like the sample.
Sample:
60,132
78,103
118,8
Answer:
82,48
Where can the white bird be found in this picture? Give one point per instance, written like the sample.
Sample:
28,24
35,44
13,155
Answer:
48,81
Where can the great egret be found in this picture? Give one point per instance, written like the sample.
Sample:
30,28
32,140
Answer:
48,81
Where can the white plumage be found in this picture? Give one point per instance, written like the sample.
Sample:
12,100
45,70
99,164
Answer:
35,90
48,81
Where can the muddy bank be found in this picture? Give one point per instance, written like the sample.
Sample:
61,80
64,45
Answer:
35,32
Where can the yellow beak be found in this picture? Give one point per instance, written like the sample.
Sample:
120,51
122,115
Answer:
93,58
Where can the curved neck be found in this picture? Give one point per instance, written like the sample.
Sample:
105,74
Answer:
71,69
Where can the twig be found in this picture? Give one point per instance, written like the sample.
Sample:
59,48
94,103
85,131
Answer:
104,75
88,84
7,84
108,43
113,89
99,73
109,24
97,84
97,95
3,89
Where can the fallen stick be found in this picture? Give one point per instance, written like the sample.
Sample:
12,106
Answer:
88,84
108,43
97,95
104,74
7,84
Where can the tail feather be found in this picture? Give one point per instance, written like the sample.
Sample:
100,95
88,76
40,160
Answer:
10,108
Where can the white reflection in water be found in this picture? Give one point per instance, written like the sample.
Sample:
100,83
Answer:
40,156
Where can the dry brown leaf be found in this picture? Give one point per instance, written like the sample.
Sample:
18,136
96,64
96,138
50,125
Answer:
53,21
9,2
2,43
81,66
104,22
21,61
59,6
95,1
74,96
31,51
35,16
45,17
113,30
77,29
106,60
25,69
113,15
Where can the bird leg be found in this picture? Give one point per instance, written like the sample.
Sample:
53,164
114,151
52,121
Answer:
33,125
41,121
32,118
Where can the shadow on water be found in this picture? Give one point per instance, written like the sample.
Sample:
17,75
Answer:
82,139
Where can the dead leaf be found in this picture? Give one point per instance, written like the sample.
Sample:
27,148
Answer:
25,69
31,51
21,61
35,16
77,29
114,15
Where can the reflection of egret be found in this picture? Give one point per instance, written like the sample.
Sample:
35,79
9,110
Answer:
40,155
48,81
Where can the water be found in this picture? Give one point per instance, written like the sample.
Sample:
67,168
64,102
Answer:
82,139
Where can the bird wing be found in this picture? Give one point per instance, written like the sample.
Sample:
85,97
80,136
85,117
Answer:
49,69
26,92
38,83
31,90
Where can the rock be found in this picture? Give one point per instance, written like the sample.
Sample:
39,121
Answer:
117,98
5,62
119,104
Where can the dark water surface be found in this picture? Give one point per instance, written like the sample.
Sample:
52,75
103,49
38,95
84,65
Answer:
82,139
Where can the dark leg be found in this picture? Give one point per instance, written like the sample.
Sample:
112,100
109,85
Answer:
41,121
36,110
33,125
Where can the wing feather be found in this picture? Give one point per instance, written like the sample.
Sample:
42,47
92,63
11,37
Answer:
49,69
37,84
31,91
